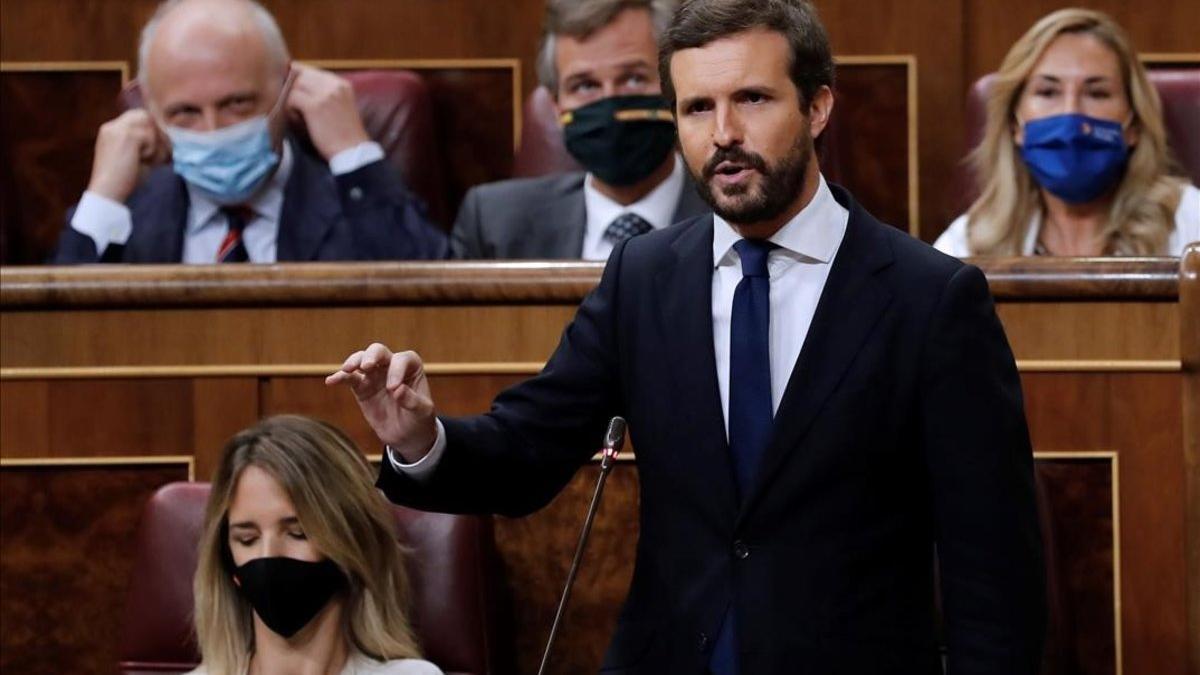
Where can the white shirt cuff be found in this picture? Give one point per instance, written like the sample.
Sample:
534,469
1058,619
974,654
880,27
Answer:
424,467
355,158
102,219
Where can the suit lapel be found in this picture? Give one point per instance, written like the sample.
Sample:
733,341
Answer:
160,220
311,208
686,324
850,305
559,225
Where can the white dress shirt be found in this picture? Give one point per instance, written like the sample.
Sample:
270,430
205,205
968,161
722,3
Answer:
657,208
110,222
1187,229
798,270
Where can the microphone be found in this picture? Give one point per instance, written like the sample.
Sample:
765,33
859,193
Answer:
614,440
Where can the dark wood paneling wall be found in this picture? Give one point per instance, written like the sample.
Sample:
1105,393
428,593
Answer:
954,42
48,124
68,534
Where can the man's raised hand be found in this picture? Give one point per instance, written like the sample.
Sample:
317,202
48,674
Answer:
393,394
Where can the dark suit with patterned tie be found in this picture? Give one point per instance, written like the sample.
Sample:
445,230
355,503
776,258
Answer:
535,218
900,431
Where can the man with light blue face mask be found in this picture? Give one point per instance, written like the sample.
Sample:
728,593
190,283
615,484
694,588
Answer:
205,173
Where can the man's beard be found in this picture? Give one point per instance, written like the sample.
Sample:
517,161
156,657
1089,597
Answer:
775,192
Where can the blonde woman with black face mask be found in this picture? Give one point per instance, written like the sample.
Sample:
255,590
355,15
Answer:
1074,158
299,569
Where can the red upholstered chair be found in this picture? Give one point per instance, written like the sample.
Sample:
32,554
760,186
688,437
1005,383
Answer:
1179,89
541,151
397,111
451,567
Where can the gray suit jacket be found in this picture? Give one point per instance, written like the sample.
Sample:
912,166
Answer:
538,218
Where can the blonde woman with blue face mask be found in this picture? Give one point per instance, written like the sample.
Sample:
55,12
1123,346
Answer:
299,568
1074,159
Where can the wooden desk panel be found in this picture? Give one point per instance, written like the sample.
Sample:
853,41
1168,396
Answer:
100,364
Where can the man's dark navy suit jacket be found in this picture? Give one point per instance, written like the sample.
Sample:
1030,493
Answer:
362,215
901,438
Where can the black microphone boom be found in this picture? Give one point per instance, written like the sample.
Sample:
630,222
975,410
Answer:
614,440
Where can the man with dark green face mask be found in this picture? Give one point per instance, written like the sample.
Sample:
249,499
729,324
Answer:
598,60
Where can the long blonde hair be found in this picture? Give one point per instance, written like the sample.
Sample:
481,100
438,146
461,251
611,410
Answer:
329,483
1142,214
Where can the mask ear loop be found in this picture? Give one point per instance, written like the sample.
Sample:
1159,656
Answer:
284,92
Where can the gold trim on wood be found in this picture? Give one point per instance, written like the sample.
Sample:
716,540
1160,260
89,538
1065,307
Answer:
142,460
513,65
251,370
909,61
1098,366
1169,57
66,67
1114,467
482,368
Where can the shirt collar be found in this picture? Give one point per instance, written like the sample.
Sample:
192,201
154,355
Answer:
267,202
814,234
657,207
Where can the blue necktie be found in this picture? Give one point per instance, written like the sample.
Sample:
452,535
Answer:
750,414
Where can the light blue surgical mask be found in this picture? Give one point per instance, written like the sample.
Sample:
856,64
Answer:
230,164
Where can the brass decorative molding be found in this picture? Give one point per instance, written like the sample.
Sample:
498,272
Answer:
138,460
251,370
67,67
1170,57
1098,366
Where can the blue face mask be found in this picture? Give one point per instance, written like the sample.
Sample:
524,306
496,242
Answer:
230,164
227,165
1075,157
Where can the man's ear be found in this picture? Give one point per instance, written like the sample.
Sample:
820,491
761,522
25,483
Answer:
819,110
558,109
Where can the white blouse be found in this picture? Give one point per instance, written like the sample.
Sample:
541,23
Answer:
361,664
1187,229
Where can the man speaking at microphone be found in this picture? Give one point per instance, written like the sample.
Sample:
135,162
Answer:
821,405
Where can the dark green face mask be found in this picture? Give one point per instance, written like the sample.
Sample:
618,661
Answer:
620,139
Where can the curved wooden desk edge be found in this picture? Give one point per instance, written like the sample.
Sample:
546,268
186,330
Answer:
1189,348
510,282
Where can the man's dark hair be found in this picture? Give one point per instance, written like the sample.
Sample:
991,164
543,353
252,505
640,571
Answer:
699,22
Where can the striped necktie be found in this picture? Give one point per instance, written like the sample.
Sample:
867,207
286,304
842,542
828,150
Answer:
233,249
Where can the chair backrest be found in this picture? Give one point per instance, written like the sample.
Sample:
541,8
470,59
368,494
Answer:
541,150
396,107
1179,89
452,568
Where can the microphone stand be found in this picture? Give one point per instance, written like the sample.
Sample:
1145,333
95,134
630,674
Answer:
614,439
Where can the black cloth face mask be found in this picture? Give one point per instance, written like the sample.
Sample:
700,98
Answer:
287,593
620,139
